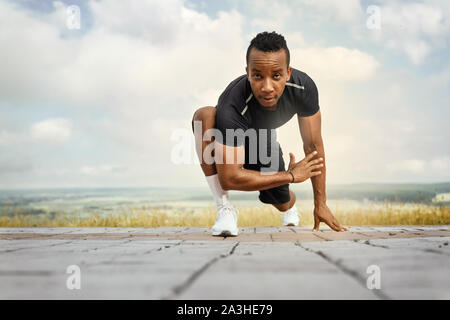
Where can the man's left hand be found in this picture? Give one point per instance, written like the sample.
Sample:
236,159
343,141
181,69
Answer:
323,214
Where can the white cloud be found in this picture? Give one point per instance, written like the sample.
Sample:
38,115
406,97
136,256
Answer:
413,27
414,166
441,164
437,167
149,64
106,169
56,130
294,40
10,138
347,11
14,163
121,63
335,63
266,20
441,78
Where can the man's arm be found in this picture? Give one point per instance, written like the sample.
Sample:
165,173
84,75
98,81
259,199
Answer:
310,130
233,176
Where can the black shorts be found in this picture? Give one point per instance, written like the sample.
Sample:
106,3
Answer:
277,195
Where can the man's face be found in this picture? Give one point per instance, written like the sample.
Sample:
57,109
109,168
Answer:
267,73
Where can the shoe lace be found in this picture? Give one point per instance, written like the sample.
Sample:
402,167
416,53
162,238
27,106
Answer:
226,209
291,213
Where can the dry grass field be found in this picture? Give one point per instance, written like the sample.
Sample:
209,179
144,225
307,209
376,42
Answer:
386,213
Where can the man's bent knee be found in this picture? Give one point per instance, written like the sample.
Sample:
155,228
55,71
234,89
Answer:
204,114
284,206
287,205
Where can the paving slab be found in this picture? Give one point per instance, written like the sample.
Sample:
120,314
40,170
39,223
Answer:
275,271
405,267
260,263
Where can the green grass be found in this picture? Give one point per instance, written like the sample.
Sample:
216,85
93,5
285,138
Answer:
382,214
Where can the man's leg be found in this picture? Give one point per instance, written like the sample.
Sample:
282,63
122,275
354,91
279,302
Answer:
207,116
282,198
226,224
288,208
287,205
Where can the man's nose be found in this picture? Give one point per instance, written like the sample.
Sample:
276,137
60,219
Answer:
267,86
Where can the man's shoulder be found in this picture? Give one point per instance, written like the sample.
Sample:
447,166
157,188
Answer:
298,86
301,93
235,94
237,84
299,78
231,105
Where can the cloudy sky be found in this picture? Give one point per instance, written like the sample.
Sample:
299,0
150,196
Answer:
108,104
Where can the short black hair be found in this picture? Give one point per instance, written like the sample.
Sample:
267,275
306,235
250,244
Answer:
269,42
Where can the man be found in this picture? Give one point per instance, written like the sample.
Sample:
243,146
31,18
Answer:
268,96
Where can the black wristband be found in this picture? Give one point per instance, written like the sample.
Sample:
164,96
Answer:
292,176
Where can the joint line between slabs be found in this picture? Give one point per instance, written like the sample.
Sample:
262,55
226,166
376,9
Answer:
353,274
194,276
430,250
44,246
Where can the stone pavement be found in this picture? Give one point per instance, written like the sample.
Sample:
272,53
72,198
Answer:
411,262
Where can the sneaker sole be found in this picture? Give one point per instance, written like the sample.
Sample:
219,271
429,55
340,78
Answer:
225,233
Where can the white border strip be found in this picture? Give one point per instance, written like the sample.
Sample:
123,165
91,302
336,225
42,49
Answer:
246,101
295,85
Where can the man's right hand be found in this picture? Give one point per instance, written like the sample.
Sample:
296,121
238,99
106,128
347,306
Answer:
306,168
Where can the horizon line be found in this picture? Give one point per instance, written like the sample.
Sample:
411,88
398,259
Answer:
205,187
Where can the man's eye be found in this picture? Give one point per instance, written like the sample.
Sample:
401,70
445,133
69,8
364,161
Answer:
257,76
277,76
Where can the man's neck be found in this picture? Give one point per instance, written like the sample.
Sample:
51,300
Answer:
273,108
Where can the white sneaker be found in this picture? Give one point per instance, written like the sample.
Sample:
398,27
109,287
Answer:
226,223
290,217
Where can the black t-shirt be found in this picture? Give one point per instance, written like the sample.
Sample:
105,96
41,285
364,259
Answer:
237,108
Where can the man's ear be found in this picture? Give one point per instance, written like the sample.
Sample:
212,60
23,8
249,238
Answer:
246,71
289,73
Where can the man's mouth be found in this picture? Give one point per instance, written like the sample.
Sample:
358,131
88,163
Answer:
268,99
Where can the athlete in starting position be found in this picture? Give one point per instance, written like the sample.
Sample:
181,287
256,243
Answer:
268,96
